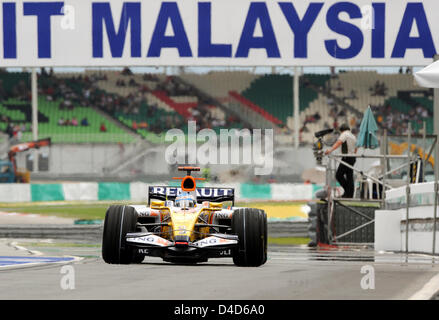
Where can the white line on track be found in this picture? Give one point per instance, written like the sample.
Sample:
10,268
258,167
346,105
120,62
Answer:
31,264
32,252
37,253
428,290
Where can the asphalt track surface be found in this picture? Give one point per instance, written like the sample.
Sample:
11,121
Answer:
290,273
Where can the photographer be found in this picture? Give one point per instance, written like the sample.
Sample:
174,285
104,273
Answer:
344,175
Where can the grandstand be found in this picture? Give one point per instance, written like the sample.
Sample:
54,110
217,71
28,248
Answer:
390,95
134,106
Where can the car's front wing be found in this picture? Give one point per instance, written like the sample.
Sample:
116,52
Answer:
213,246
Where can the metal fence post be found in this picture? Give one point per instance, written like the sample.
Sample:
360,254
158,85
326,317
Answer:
34,90
330,163
434,217
435,203
424,134
408,189
384,166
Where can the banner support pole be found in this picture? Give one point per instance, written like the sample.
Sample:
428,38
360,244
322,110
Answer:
34,85
296,106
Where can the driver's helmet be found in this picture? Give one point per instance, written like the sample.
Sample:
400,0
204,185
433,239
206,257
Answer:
185,200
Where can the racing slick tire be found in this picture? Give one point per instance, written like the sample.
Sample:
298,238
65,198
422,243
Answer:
119,220
250,225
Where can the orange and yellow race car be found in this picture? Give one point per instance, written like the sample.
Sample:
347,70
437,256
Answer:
185,225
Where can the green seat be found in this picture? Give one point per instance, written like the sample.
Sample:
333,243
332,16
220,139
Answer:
274,94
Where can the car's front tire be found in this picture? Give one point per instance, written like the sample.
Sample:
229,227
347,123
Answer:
251,227
119,220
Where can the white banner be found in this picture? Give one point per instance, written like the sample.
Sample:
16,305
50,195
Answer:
291,192
218,33
15,192
139,191
82,191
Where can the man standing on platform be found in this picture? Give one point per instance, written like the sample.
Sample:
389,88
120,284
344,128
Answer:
344,174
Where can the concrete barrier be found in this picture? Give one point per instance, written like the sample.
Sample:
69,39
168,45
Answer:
281,229
67,232
137,191
391,224
276,229
15,192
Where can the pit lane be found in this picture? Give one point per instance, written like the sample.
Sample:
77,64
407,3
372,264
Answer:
291,272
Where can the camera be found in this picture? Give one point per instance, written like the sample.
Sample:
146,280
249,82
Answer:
322,133
317,146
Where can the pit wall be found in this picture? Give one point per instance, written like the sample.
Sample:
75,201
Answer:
138,191
390,224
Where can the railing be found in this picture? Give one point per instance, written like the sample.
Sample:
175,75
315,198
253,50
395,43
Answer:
336,158
404,192
99,137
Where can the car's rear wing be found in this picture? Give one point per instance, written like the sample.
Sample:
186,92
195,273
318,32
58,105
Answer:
203,194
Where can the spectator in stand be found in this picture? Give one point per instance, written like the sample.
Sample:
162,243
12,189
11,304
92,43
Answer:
373,89
380,119
333,74
150,77
126,71
309,119
120,83
17,132
339,86
304,129
133,83
43,72
3,94
342,113
84,122
333,112
20,91
353,94
143,125
74,122
61,121
10,130
69,104
86,93
379,89
317,116
103,128
425,113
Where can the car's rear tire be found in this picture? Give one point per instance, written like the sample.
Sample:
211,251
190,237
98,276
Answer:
119,220
251,227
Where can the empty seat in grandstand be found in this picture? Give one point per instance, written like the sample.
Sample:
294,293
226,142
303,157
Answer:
218,84
274,93
319,80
